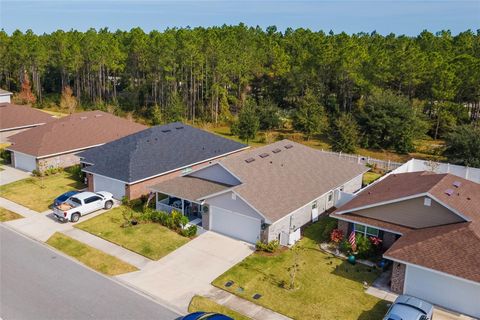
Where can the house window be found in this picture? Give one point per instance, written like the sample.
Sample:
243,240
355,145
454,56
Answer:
366,231
330,196
314,205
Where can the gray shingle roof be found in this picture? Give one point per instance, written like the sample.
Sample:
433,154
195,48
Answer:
155,151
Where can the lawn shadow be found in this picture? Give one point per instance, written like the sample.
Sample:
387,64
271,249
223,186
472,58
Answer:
358,272
377,312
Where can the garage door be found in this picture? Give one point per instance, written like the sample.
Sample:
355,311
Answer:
442,290
117,188
234,224
24,161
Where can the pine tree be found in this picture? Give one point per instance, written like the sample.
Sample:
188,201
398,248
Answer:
310,116
247,125
344,134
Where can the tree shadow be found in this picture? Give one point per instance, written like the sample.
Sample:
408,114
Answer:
377,312
358,272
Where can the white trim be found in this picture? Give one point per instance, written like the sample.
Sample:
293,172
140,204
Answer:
105,177
377,204
58,153
180,168
431,270
23,127
367,225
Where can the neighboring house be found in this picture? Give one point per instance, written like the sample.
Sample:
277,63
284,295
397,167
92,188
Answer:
57,143
5,96
430,226
128,166
17,118
265,194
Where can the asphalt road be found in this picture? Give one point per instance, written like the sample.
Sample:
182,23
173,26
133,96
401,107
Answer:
37,283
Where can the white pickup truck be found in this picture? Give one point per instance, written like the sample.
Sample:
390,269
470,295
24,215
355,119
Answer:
81,204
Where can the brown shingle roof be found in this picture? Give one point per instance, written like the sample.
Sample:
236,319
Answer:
452,249
17,116
284,181
74,132
465,199
190,188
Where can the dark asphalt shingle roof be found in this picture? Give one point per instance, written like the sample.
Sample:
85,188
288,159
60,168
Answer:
155,151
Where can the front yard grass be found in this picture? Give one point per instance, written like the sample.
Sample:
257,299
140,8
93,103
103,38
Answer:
38,193
92,257
326,287
370,177
7,215
151,240
199,303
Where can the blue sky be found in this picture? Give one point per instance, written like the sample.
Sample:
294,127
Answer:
384,16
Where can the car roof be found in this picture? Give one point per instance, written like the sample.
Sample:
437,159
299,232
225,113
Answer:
85,195
403,312
415,303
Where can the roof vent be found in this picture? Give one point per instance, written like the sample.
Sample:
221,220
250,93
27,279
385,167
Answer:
98,115
457,184
264,155
179,128
277,150
249,160
83,118
289,146
166,130
449,192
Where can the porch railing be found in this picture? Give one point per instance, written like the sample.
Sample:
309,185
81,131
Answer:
167,208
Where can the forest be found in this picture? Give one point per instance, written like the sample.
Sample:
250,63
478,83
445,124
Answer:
365,89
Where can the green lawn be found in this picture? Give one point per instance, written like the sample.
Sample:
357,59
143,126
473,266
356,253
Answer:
151,240
38,193
326,287
199,303
370,176
7,215
92,257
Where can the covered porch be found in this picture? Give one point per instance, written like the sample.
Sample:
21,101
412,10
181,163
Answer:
186,195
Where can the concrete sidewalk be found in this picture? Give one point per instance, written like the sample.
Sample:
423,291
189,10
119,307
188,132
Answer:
121,253
243,306
15,207
10,174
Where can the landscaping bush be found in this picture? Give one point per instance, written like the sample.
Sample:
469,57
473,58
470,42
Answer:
330,225
76,172
189,232
365,248
46,172
336,236
174,221
270,247
6,156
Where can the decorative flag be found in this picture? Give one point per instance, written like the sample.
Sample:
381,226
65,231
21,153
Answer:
353,241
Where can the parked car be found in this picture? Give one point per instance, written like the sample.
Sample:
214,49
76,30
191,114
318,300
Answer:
407,307
63,197
81,204
206,316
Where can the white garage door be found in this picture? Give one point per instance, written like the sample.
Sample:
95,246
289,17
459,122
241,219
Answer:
117,188
442,290
234,224
24,161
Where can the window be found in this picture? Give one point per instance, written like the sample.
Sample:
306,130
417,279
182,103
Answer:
366,231
92,199
75,200
314,205
330,196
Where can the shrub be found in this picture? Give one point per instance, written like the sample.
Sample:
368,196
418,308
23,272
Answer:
76,172
365,248
336,235
270,247
330,225
189,232
6,156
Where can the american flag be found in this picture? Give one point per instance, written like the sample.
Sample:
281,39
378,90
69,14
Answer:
353,241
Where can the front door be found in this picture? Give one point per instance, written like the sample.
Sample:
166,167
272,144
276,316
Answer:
314,211
329,200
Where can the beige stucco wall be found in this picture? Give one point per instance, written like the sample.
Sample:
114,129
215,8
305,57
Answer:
412,213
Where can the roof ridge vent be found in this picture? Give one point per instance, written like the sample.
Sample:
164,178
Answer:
263,155
249,160
289,146
277,150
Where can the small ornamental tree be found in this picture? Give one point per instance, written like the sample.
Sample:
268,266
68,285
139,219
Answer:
68,100
336,236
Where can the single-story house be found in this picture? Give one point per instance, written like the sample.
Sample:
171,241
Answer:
18,118
266,194
128,166
57,143
5,96
430,226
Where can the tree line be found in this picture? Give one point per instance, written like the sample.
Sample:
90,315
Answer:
379,91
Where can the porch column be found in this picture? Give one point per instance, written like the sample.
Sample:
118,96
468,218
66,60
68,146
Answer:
183,206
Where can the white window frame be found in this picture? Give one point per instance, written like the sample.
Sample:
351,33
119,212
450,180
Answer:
364,232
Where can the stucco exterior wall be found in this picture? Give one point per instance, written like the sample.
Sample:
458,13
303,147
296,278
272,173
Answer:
412,213
398,277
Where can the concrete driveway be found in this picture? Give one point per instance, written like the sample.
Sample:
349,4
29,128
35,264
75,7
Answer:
190,269
10,174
